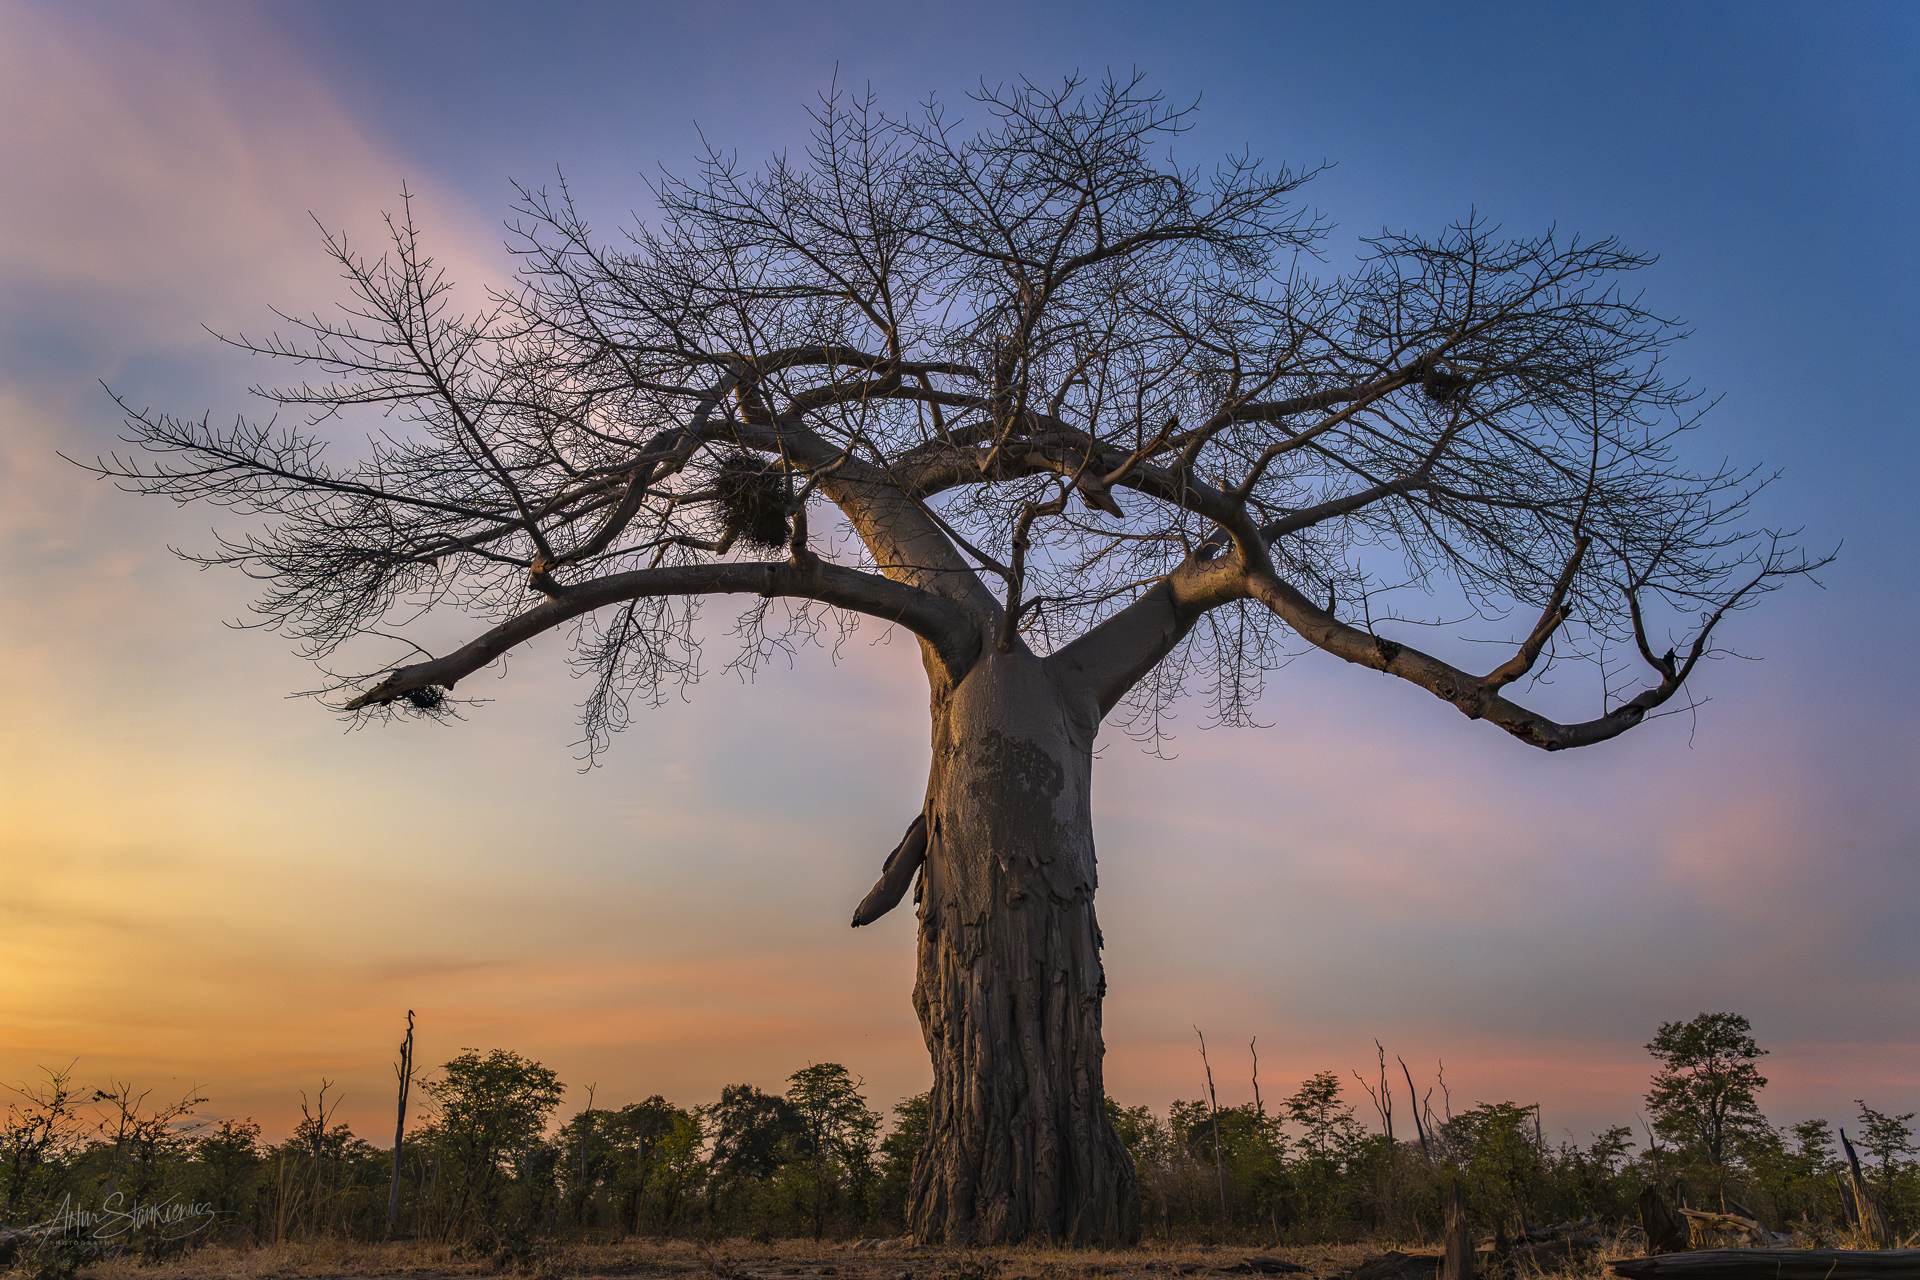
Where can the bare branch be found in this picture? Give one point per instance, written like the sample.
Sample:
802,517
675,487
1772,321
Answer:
947,335
1550,619
1478,698
940,623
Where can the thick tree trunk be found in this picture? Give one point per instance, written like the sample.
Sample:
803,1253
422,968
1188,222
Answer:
1010,982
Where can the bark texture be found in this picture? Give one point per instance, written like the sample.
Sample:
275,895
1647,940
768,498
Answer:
1010,983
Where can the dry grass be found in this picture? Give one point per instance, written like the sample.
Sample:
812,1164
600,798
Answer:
749,1260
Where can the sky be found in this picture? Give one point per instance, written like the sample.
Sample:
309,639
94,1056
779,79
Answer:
210,885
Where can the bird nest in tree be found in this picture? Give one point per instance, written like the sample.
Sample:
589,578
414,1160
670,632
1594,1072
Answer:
753,502
427,698
1442,386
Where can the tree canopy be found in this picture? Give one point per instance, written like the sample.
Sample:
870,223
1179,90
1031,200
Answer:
1043,374
1705,1092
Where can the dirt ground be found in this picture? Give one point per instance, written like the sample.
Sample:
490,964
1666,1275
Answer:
776,1260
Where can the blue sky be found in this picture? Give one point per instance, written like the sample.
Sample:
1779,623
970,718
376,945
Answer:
214,884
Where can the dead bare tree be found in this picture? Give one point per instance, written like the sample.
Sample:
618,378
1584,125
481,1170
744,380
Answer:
1413,1098
1085,422
404,1070
1382,1097
1213,1110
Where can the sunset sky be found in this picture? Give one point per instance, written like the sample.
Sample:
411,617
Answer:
210,884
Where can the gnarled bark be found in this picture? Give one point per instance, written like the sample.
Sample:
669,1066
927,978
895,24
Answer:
1010,983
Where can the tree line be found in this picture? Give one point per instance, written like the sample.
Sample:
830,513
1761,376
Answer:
489,1165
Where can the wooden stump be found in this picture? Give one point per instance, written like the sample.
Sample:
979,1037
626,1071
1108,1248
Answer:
1667,1231
1459,1260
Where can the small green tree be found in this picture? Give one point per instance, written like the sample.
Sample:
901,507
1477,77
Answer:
1329,1135
1590,1176
1703,1096
1813,1144
752,1137
1150,1144
840,1130
589,1160
492,1108
1609,1149
1139,1129
229,1157
899,1149
1787,1171
752,1132
1808,1182
1497,1148
1327,1124
143,1140
1886,1138
629,1154
42,1131
673,1161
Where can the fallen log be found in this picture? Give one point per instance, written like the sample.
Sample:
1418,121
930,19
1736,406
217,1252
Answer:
1772,1264
1703,1221
1394,1265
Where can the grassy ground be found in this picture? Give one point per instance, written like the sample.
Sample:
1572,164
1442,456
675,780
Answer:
749,1260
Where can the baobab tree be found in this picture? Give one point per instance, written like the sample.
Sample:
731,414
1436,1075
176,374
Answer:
1090,425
